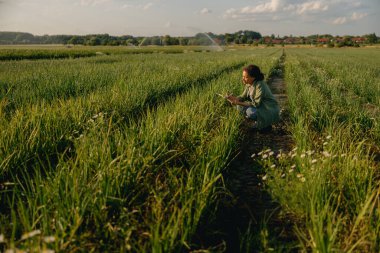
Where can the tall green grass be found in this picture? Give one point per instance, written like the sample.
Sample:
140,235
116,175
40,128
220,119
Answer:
38,52
331,179
83,173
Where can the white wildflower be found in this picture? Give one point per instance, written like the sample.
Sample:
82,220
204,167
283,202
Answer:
302,155
343,155
293,166
303,179
283,175
49,239
294,149
326,154
328,137
293,155
47,251
271,153
265,177
268,150
291,170
2,240
273,166
260,153
325,143
265,156
299,175
314,161
253,155
30,234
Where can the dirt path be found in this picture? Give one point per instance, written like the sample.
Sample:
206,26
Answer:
249,220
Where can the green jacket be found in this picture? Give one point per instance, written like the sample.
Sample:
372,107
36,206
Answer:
261,97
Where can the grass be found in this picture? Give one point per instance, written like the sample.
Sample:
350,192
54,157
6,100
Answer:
86,172
331,179
38,52
124,152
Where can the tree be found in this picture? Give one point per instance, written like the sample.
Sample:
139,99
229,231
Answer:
75,40
229,38
131,42
94,41
156,40
183,41
166,40
371,38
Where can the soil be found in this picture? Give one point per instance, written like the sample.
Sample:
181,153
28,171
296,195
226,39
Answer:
249,205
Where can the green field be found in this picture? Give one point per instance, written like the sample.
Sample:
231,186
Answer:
125,151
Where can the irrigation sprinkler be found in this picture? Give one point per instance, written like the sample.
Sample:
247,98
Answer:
214,44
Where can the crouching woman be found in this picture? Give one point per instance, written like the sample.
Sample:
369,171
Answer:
257,101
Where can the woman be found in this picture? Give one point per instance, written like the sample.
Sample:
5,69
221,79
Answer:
257,101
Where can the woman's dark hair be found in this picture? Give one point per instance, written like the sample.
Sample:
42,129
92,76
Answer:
254,71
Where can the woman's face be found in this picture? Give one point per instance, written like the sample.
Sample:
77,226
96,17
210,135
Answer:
247,79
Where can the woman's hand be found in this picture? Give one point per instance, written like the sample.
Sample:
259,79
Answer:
232,99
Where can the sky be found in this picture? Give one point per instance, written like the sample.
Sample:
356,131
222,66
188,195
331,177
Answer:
188,17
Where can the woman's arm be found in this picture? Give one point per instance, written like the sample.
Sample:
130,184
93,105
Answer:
236,101
239,100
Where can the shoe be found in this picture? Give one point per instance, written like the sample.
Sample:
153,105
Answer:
254,125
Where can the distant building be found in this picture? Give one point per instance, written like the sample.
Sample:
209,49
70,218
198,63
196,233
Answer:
339,39
359,40
289,40
277,41
323,40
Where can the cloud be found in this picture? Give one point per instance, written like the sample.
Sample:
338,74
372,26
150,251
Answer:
277,7
205,11
357,4
147,6
354,17
358,16
93,2
127,6
339,21
272,6
315,6
140,6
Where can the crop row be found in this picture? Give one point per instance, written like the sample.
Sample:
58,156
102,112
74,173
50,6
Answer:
37,53
331,178
41,130
25,83
139,185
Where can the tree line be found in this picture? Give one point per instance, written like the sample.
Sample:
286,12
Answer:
239,37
